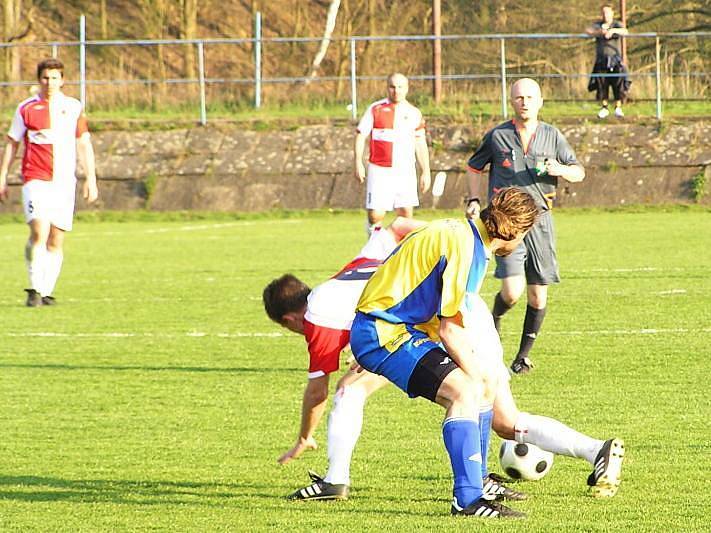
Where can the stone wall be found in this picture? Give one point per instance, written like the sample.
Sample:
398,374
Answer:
231,168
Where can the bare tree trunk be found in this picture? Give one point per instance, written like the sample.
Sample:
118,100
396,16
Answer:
189,31
104,20
13,30
326,40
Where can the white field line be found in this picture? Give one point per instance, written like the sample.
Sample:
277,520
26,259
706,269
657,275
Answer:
198,227
200,334
140,335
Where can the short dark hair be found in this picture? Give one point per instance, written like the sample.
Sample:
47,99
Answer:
51,63
283,295
510,213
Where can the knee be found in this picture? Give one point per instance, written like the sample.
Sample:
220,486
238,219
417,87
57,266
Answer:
467,395
510,296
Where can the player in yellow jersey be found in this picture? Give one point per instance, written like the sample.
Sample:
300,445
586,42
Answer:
413,303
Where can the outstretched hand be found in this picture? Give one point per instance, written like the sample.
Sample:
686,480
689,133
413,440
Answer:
301,446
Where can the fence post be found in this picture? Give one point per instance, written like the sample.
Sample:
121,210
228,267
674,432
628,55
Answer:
54,50
354,94
82,60
504,109
258,60
658,77
201,74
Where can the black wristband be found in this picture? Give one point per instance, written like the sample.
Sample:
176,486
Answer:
470,200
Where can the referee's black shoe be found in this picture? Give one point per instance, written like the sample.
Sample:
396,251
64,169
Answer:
521,365
484,508
320,490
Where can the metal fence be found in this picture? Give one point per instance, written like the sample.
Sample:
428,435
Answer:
257,81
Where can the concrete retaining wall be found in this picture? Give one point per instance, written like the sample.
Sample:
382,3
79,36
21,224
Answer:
230,168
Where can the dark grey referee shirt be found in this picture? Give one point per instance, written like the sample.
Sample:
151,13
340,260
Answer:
510,166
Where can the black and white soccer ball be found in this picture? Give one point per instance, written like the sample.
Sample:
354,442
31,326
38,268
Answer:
524,461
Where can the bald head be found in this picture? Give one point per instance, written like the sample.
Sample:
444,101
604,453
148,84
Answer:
525,86
526,99
397,87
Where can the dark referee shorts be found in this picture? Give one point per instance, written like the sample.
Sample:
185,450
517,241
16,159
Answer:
535,257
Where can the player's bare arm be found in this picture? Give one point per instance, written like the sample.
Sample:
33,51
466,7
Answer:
571,173
7,158
359,150
456,341
85,149
422,155
312,408
473,205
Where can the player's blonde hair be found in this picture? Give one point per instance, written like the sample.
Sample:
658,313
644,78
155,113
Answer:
510,213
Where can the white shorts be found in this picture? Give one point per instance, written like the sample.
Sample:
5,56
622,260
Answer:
52,201
483,337
389,188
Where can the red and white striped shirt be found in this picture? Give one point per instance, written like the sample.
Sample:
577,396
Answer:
393,129
50,131
331,305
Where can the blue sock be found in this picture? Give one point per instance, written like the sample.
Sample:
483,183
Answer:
461,438
485,418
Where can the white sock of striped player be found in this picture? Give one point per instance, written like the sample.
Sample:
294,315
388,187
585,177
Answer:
556,437
35,259
53,266
344,425
370,228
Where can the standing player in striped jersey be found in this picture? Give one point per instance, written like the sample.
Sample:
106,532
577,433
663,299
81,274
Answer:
397,139
323,315
54,130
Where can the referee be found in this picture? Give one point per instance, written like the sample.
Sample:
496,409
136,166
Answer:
531,155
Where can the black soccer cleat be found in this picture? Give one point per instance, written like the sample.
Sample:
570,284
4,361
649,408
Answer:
493,487
320,490
34,299
521,365
605,478
484,508
49,300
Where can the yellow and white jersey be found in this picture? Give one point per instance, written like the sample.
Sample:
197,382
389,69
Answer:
426,278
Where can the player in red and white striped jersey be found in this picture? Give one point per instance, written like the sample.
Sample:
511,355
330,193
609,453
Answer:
324,315
54,130
397,139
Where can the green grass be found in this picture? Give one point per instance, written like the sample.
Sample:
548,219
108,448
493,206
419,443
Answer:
148,399
273,116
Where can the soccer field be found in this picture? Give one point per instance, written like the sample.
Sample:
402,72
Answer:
157,395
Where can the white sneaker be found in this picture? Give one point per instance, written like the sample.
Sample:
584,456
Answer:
619,113
603,113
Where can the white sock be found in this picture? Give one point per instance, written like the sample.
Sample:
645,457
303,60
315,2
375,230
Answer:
35,259
370,228
556,437
344,425
53,266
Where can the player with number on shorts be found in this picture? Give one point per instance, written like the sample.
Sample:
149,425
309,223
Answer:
54,129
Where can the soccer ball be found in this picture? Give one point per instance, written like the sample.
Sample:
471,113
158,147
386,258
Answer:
524,461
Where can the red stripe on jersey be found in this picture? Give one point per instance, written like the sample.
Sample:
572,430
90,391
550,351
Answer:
325,346
381,151
82,126
38,160
356,264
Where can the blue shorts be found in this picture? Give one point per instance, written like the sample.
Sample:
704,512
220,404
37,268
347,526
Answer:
397,365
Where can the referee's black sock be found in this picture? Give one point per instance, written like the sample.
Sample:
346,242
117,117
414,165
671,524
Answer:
531,326
499,310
